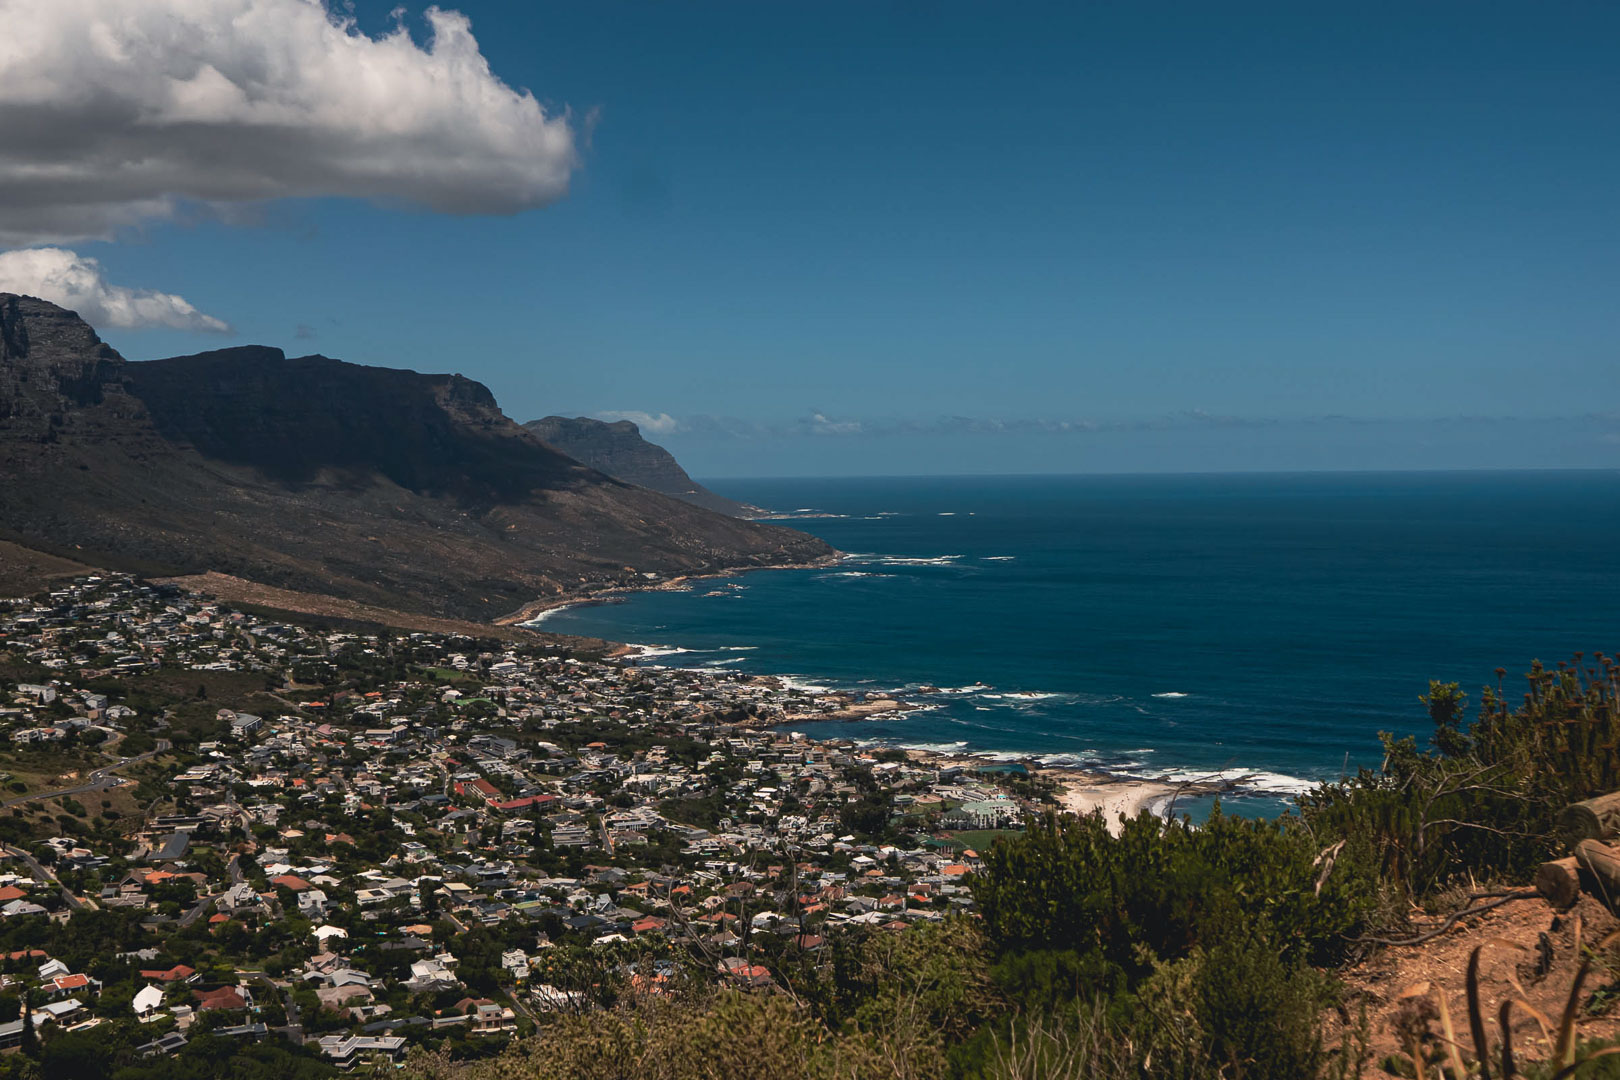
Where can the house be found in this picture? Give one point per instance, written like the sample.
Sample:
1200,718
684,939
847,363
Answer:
173,848
168,1044
347,1051
484,1017
226,999
72,984
430,975
60,1012
337,998
516,963
147,1003
240,896
178,973
741,973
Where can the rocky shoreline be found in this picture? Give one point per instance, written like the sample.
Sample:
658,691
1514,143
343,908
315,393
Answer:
1080,790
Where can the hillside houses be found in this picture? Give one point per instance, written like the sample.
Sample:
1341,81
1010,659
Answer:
433,816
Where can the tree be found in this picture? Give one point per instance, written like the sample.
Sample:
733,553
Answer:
30,1038
1445,702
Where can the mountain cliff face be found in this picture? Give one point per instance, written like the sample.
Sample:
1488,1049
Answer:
389,487
619,450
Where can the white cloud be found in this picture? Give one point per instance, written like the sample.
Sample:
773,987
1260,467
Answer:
72,281
649,423
821,424
114,113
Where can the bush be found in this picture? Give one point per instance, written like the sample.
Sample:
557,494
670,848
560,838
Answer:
1482,802
1258,1016
1117,905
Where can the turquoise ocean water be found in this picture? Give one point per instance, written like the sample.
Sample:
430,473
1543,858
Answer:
1268,625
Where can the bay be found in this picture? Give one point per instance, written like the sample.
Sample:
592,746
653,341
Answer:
1259,625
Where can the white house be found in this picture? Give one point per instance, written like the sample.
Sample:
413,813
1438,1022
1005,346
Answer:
325,933
146,1003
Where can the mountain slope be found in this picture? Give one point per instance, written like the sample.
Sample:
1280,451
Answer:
621,451
382,486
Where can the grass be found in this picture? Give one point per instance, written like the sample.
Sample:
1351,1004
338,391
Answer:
980,839
48,769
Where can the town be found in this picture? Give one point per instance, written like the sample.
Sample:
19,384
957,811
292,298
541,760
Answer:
347,842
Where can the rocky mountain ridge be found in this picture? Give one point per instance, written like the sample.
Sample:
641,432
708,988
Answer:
618,449
376,485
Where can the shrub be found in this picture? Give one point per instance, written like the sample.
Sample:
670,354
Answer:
1160,889
1483,802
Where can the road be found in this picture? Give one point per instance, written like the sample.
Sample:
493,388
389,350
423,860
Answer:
99,780
517,1003
233,876
294,1028
41,874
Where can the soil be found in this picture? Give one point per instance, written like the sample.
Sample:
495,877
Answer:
1527,944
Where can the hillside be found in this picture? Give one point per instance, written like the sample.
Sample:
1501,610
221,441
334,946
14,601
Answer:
621,451
381,486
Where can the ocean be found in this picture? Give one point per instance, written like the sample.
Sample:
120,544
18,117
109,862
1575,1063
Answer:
1264,626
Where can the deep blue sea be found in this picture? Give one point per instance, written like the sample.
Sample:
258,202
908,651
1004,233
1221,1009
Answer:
1153,625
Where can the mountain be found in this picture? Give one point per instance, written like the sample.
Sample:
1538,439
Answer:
620,450
387,487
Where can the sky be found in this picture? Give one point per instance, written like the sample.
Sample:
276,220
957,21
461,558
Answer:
863,238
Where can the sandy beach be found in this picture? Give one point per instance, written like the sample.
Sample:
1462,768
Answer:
1114,796
1082,791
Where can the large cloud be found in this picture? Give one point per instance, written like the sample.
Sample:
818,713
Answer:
75,282
113,112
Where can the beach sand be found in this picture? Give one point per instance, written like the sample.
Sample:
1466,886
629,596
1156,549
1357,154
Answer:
1114,796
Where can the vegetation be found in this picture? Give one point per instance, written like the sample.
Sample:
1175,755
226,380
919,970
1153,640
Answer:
1169,951
1483,801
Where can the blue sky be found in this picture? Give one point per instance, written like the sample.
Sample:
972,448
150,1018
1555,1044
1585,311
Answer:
902,238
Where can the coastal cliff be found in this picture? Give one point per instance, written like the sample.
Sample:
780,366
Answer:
622,452
388,487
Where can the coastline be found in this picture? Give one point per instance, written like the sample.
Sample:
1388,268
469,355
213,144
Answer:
1117,796
538,609
1080,790
1086,791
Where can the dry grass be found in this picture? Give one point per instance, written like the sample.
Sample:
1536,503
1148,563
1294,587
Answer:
239,591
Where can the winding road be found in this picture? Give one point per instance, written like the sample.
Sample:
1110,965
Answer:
99,780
